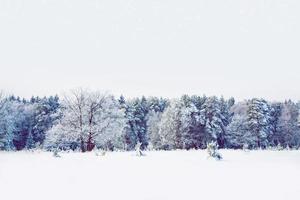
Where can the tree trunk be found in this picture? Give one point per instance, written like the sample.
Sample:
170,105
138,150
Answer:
90,144
82,146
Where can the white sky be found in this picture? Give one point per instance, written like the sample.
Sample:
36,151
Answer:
240,48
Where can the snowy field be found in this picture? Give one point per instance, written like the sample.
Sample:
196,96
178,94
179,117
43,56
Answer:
176,175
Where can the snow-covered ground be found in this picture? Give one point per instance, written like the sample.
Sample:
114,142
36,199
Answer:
176,175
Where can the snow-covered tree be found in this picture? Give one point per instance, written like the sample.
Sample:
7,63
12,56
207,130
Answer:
138,149
275,138
238,135
157,104
226,118
192,122
19,122
30,143
212,150
15,123
156,107
3,136
7,126
216,121
288,128
153,124
258,121
141,112
136,114
192,127
170,126
44,116
131,138
89,119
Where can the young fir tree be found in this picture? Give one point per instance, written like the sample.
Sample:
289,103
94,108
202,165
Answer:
212,150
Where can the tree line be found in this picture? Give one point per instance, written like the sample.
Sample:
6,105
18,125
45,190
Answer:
84,120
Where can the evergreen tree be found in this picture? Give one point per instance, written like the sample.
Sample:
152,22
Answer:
259,121
131,138
288,127
215,123
46,113
157,104
137,120
276,138
30,143
2,122
193,122
238,135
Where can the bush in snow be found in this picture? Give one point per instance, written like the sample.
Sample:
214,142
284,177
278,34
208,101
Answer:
55,153
279,147
138,149
245,147
100,153
212,150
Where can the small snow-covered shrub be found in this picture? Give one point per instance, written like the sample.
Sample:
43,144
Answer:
212,150
55,154
150,147
138,149
100,153
246,147
279,147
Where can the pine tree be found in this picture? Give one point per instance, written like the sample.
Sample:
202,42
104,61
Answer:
212,150
275,139
137,120
288,125
141,115
215,121
46,113
131,138
238,135
2,122
30,143
193,122
157,104
258,121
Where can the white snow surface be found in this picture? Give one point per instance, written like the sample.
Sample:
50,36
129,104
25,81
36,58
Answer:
174,175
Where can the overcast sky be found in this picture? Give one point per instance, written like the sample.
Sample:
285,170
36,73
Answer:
153,47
